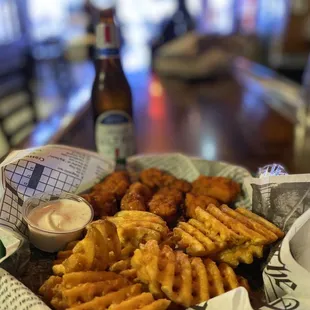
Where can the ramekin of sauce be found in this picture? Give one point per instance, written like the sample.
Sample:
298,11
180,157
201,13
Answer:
56,219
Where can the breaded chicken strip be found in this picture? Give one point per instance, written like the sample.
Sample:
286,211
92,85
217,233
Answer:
223,189
192,202
166,203
117,183
155,178
136,198
103,203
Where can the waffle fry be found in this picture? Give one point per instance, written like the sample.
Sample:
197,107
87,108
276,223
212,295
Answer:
194,241
88,291
230,279
123,267
236,226
96,251
106,301
232,236
183,279
216,286
217,230
200,281
74,288
136,228
71,245
135,302
130,297
262,221
140,215
205,234
47,289
73,279
244,283
256,226
146,223
239,254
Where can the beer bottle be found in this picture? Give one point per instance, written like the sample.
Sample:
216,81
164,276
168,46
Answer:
111,96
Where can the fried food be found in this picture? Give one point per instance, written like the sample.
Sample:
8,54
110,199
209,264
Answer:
234,236
205,234
47,289
138,215
220,188
73,279
79,287
88,291
104,291
116,183
192,202
135,227
239,254
155,179
103,203
129,297
105,195
99,248
136,198
123,268
183,279
166,203
106,301
252,224
193,240
262,221
244,282
237,226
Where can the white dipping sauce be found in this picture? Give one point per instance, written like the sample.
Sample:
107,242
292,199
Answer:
62,215
54,224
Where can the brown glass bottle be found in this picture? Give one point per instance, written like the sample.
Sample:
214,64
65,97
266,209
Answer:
111,97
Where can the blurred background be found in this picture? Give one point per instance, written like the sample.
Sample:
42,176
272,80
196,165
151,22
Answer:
47,47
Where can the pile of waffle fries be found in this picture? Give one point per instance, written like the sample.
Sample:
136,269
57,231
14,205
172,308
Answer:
173,243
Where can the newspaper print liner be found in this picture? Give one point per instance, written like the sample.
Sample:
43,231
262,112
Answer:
15,295
189,168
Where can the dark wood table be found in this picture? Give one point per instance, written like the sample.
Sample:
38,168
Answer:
234,118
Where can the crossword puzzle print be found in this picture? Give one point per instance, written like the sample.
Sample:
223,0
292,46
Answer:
25,179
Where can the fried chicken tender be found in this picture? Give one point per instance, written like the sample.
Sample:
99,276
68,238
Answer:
166,203
116,183
136,198
220,188
155,178
104,196
103,203
192,202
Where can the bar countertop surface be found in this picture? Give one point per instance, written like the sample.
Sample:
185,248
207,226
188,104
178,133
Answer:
251,117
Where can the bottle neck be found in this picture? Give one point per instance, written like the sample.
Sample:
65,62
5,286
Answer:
182,5
107,41
110,65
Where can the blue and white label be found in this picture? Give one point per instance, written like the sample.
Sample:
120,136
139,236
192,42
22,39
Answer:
114,135
107,52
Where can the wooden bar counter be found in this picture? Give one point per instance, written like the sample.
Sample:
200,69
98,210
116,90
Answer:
250,117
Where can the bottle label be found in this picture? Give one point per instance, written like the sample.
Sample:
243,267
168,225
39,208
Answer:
114,135
107,41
